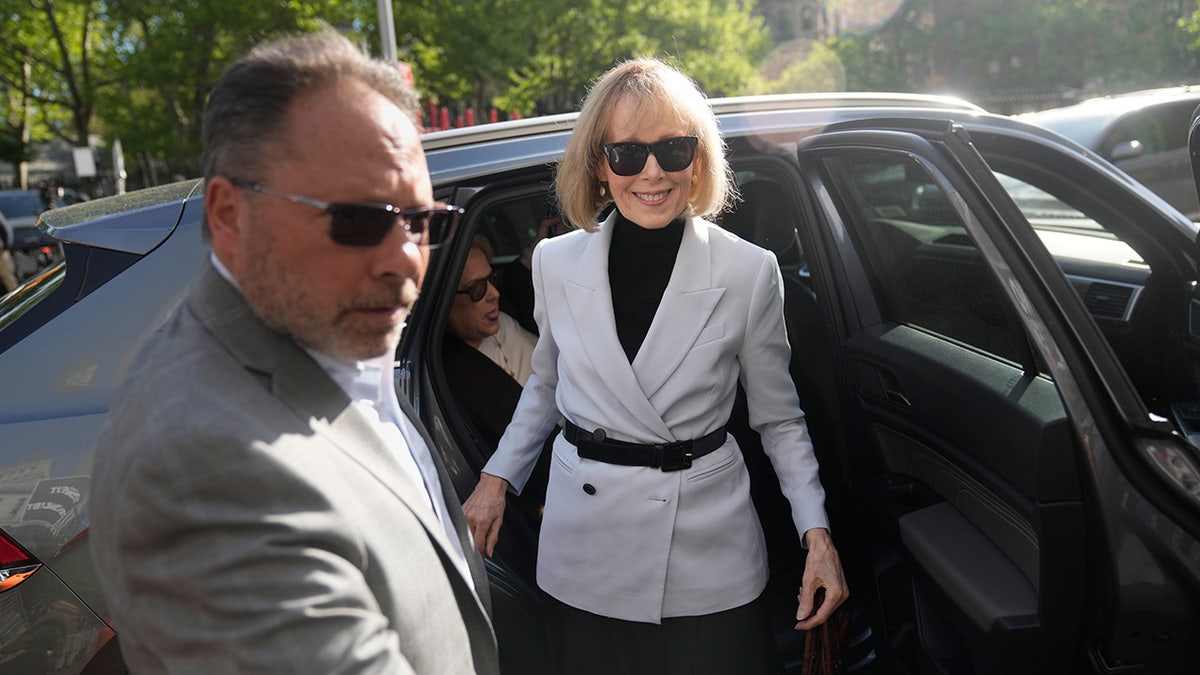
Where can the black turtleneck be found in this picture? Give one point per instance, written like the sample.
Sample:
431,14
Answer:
639,266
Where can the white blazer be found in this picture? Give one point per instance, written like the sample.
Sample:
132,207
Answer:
637,543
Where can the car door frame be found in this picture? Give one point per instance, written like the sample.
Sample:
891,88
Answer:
1082,368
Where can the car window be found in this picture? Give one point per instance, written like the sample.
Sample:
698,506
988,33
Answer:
1176,118
1143,128
20,203
1127,286
924,268
1067,232
1157,128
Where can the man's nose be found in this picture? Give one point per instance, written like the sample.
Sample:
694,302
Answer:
398,256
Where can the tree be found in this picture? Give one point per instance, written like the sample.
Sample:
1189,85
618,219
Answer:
538,58
1000,51
172,51
53,69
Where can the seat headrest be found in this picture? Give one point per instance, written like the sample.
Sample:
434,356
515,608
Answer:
763,216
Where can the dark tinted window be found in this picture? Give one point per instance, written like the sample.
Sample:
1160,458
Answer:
924,267
1158,128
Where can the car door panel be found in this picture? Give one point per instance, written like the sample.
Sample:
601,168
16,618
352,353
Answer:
995,456
989,588
976,455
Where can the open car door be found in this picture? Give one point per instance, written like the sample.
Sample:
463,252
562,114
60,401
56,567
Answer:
1006,483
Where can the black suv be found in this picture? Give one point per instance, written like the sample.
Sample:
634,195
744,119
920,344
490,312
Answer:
995,337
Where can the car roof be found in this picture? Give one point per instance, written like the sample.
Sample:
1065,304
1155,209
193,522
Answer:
516,144
531,126
137,221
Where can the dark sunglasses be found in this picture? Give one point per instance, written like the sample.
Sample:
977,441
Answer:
673,154
478,288
366,224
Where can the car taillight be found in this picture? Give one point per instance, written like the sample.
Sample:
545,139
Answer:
15,564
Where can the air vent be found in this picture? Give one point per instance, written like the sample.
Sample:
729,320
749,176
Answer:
1108,301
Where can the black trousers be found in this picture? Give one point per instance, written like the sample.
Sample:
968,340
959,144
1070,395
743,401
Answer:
738,641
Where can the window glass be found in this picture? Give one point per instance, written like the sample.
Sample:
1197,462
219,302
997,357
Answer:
925,268
1067,232
1143,127
1132,292
1176,119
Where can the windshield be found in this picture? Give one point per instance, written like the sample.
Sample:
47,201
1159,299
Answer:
1059,225
1044,210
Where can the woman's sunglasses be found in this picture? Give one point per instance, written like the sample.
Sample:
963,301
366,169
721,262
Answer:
366,224
478,288
673,154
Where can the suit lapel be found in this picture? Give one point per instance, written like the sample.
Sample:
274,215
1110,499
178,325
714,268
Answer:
450,496
683,312
590,300
301,384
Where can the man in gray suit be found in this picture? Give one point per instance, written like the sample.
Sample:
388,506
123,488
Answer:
264,503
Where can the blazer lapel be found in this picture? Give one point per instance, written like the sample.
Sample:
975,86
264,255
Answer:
683,312
590,300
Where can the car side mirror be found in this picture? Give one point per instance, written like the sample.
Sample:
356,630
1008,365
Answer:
1126,150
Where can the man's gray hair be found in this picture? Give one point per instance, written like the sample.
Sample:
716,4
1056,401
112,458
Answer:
247,108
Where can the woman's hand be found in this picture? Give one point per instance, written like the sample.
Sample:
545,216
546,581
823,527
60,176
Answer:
485,511
822,569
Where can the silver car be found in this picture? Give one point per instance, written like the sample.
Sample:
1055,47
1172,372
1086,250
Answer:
995,336
1145,133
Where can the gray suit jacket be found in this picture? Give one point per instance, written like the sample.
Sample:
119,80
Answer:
636,543
246,519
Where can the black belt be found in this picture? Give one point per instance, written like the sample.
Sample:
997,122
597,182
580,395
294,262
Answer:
665,456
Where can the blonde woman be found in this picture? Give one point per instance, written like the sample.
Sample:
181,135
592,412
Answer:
650,544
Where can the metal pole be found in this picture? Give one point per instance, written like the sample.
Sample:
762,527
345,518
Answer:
118,156
387,31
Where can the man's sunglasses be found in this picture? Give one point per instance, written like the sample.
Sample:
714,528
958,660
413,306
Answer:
366,224
478,288
673,154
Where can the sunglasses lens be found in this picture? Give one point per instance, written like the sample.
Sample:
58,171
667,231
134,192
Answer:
627,159
478,290
359,224
672,154
368,224
675,154
432,228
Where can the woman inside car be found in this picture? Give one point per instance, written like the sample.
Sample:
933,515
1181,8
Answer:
650,545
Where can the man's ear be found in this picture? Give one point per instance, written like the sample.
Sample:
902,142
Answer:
223,204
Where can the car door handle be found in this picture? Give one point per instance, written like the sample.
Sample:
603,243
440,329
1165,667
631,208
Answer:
896,397
892,390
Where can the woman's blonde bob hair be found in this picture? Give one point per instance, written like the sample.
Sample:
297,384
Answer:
659,89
